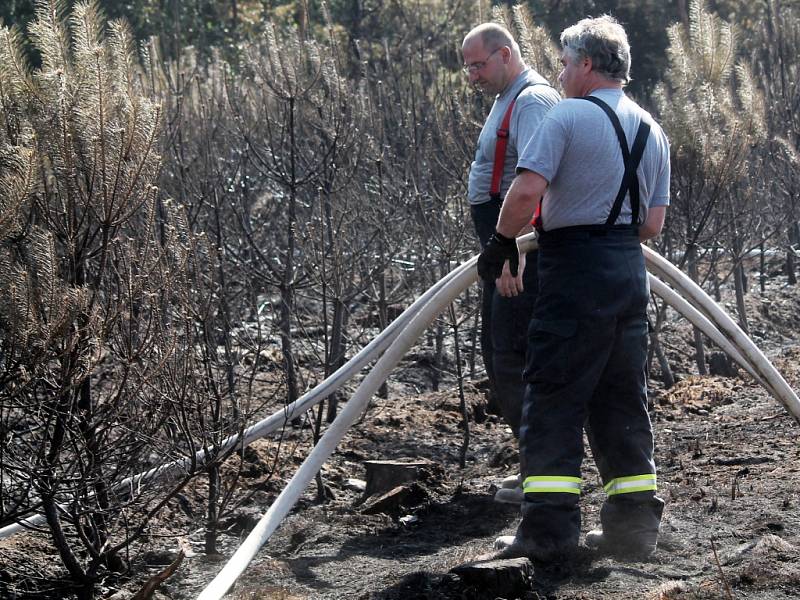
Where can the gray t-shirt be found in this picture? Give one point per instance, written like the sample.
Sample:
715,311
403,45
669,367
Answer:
532,104
576,150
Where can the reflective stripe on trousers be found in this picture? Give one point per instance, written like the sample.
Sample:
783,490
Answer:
552,484
629,485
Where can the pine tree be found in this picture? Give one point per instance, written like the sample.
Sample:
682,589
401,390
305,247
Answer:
90,261
714,116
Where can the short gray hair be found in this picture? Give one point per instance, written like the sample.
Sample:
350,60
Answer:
605,42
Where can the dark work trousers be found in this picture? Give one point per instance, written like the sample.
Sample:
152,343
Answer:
587,348
504,324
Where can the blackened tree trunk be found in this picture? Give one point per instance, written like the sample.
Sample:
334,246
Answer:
699,345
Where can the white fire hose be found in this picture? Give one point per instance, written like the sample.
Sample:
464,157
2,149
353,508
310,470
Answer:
767,372
700,321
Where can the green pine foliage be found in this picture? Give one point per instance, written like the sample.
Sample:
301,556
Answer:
89,264
709,105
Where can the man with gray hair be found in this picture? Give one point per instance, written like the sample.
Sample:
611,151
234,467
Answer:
493,62
602,164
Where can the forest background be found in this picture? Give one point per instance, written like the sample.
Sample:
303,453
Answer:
206,207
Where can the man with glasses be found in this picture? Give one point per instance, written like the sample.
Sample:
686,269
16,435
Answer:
493,62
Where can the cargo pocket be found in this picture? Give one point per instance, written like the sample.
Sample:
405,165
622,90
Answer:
550,344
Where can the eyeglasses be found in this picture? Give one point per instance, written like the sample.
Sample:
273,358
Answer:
477,66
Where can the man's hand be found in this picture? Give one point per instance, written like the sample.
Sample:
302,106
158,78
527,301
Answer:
499,249
508,285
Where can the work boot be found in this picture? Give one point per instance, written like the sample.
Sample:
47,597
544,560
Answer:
594,539
511,482
503,542
510,546
510,491
509,496
626,549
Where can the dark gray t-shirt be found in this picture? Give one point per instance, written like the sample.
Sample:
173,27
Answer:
576,150
531,106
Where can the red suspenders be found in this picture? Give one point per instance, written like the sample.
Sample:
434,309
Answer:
500,154
500,147
500,151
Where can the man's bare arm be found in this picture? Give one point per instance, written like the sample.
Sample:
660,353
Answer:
520,203
653,223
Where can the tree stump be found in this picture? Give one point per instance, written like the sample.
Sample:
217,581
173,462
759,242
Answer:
396,501
505,578
384,475
719,364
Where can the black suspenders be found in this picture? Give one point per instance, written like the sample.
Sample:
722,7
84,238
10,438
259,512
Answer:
630,183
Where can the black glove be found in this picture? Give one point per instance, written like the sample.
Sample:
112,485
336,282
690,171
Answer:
494,255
